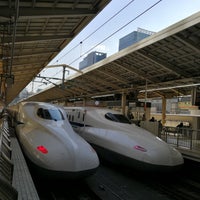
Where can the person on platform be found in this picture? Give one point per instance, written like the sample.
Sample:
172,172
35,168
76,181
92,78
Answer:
143,117
180,125
152,119
180,128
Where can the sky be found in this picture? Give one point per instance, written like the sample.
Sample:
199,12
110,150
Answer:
116,20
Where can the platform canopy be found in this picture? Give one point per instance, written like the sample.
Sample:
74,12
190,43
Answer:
33,32
166,64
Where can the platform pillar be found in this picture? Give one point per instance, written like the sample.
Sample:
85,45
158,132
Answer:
163,111
84,102
123,103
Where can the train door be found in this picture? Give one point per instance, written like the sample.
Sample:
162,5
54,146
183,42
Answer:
80,117
75,119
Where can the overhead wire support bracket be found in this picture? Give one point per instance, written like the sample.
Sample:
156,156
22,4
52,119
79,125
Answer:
63,75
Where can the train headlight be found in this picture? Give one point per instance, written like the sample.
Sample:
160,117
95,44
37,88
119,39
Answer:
137,147
42,149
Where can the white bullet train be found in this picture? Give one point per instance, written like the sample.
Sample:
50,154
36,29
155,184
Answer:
117,140
50,143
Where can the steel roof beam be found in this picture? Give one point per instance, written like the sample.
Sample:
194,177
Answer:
164,65
33,64
31,54
77,86
101,81
188,43
173,84
88,82
25,12
112,75
28,39
130,70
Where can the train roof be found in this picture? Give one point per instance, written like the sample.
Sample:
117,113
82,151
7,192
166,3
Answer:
89,108
43,104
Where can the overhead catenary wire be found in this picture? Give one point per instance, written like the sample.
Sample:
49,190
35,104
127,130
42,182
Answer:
129,22
96,30
117,13
118,30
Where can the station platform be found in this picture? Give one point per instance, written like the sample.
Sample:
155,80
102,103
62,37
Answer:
22,180
190,154
15,179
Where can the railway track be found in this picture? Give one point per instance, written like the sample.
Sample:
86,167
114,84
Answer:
128,184
118,183
61,190
182,186
178,188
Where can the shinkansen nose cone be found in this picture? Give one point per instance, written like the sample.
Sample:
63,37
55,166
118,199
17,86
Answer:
161,154
49,141
72,153
156,151
119,141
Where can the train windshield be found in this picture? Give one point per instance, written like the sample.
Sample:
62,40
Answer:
117,118
50,114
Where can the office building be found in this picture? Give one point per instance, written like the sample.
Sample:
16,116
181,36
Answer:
134,37
91,58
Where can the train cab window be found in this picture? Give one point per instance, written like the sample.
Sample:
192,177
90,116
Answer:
50,114
40,113
56,114
117,118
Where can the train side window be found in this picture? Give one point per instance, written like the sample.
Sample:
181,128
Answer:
110,116
47,114
72,117
56,114
117,118
50,114
79,114
40,113
122,119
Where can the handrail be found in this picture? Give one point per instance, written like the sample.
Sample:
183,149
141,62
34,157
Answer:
182,137
7,192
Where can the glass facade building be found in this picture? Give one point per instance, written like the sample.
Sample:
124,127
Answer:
133,37
92,58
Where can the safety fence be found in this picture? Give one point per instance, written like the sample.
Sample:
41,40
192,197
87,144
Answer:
182,137
7,192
